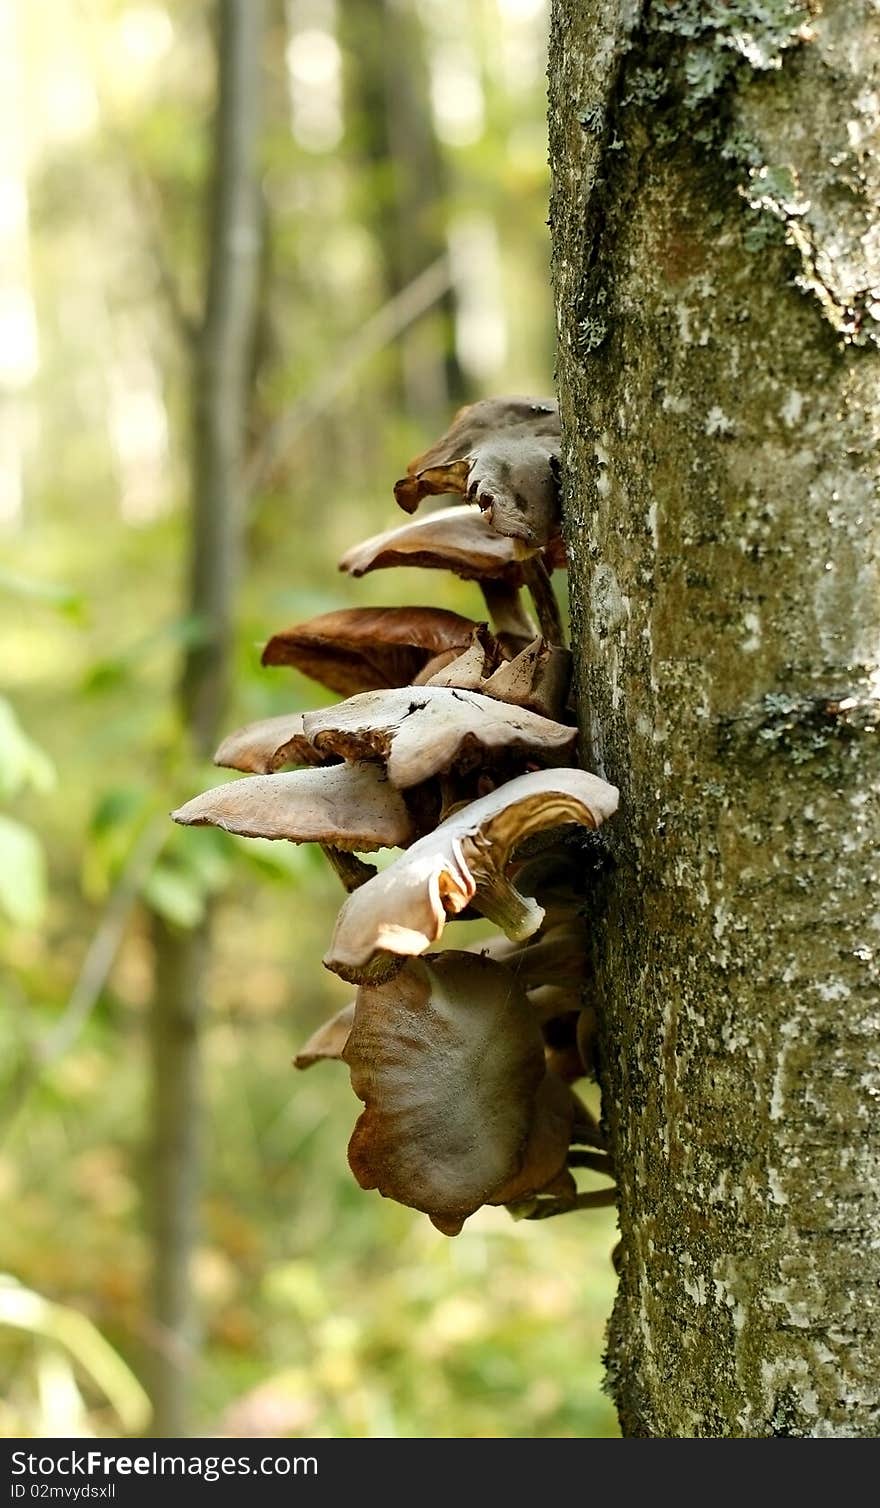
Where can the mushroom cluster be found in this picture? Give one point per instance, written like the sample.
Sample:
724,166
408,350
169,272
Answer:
455,743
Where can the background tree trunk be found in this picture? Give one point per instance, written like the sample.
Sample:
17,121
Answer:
716,238
221,371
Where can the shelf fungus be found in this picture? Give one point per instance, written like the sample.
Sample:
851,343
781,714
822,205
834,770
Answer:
364,649
423,731
502,454
449,1062
353,807
536,678
454,744
268,745
402,911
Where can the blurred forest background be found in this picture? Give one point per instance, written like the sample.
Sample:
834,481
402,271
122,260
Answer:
405,270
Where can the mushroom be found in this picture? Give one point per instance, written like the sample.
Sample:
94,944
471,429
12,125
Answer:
502,453
263,747
352,807
537,678
449,1062
460,539
421,731
402,911
328,1042
363,649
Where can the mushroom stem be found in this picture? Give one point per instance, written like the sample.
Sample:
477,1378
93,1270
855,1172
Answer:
537,579
517,915
595,1199
352,871
509,619
599,1162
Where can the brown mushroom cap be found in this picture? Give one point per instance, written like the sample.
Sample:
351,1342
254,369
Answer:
367,648
403,910
458,539
422,731
449,1061
349,806
328,1042
263,747
550,1133
503,454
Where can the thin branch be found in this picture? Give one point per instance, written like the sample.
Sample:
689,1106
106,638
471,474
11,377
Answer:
380,330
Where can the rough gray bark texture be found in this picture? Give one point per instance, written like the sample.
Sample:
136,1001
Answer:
717,270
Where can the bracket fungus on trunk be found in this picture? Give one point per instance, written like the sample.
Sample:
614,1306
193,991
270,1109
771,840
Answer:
503,454
402,911
268,745
368,648
424,731
451,745
349,806
449,1061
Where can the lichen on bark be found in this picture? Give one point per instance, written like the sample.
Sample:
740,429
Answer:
716,236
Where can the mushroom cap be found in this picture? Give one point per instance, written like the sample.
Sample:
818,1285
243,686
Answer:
349,806
367,648
503,454
328,1042
546,1150
448,1059
537,677
458,539
402,911
422,731
265,746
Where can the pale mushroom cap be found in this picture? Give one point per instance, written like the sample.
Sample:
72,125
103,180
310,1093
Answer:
262,747
422,731
349,806
458,539
448,1059
403,910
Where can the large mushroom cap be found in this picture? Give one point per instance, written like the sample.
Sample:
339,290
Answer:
448,1059
458,539
263,747
503,454
366,648
349,806
403,910
421,731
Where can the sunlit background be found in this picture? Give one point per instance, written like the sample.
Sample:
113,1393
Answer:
405,191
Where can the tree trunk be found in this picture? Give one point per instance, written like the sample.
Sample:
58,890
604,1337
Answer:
716,262
221,369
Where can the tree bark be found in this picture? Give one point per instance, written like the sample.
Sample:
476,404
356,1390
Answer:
221,372
716,239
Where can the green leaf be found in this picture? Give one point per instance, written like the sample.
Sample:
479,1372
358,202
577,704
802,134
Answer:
23,889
